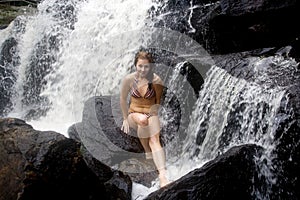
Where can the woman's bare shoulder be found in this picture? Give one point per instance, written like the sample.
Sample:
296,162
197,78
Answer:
129,77
157,79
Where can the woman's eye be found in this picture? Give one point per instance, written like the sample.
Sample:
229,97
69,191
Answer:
146,66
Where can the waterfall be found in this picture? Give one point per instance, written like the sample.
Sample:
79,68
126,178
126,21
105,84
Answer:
38,38
70,51
226,100
232,111
90,62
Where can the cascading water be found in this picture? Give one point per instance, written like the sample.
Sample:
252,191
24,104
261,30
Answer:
226,100
231,111
67,53
38,39
62,64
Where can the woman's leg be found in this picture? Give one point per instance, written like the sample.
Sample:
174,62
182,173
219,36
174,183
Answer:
159,159
139,119
148,129
131,122
158,152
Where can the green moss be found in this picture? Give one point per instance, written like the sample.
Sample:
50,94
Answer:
8,13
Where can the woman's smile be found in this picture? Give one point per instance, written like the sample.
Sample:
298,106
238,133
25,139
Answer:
143,67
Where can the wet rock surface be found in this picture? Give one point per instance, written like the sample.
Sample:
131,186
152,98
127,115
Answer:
229,176
47,165
229,26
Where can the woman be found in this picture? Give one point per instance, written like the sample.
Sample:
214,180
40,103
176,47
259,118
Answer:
145,88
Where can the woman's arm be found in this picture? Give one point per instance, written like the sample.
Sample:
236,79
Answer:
125,88
159,87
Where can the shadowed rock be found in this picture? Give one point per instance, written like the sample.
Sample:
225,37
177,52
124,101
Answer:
229,176
232,26
46,165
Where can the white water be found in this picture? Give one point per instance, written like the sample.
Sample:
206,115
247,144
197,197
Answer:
217,99
255,107
89,61
36,28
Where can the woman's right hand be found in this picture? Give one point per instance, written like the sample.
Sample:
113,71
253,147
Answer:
125,126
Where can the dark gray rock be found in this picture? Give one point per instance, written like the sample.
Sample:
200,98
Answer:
233,26
73,133
99,116
144,170
102,171
47,165
229,176
102,140
21,146
21,2
117,183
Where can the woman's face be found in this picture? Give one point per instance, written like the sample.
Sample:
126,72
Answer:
143,67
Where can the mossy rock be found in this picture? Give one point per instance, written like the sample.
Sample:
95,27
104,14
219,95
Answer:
9,12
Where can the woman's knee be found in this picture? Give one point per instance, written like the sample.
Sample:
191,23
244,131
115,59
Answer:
141,119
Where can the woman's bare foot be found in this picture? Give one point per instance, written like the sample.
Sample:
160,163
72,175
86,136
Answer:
163,181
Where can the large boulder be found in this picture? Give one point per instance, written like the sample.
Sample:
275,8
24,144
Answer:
233,26
47,165
229,176
102,140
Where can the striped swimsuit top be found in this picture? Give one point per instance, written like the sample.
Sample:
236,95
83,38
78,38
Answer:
135,92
